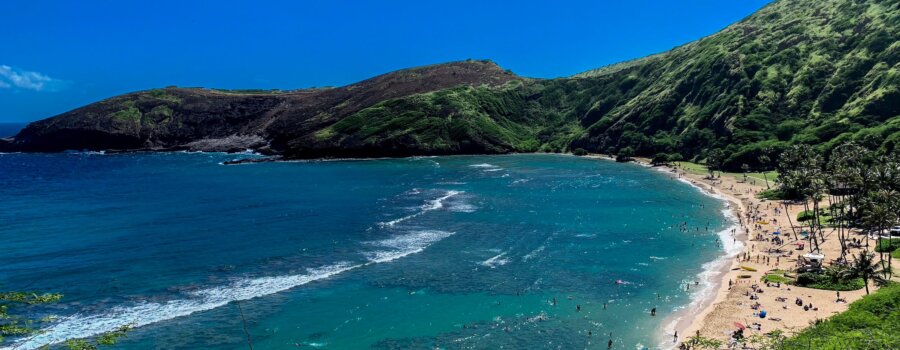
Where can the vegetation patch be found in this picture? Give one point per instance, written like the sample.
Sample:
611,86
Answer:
887,245
131,113
872,322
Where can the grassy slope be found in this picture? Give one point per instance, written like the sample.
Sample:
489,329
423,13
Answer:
817,72
797,71
871,323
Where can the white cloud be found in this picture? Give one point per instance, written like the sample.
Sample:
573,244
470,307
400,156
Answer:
11,77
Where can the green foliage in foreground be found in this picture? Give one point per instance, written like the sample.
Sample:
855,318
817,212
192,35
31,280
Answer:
13,324
871,323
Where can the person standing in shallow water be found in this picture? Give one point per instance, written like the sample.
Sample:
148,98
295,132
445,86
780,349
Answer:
653,312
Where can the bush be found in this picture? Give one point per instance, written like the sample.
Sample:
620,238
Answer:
887,245
834,278
772,194
579,152
625,154
805,215
660,159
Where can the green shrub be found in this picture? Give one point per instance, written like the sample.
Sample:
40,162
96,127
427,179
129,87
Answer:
805,215
579,152
887,245
772,194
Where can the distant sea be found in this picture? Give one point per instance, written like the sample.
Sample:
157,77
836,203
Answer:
10,129
474,252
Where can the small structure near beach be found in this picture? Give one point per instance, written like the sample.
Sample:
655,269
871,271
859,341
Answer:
810,262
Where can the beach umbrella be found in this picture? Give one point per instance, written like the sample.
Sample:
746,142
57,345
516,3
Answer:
740,326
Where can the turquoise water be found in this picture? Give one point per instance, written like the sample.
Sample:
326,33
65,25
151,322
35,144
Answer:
448,252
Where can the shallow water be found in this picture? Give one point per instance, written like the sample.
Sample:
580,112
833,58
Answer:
449,252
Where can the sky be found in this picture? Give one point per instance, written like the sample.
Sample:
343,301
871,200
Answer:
59,55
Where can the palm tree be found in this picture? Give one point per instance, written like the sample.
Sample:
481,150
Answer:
864,266
800,175
764,161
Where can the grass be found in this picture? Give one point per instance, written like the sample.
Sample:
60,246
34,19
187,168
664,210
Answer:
888,245
824,216
872,322
776,278
896,254
700,169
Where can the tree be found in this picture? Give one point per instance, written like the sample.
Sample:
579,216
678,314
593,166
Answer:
579,152
625,154
865,267
714,161
764,162
800,175
660,159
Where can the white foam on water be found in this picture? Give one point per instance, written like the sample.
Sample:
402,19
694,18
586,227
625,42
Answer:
459,205
145,313
404,245
711,271
429,205
533,253
483,165
497,260
492,170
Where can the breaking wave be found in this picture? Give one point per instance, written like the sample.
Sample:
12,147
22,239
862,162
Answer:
429,205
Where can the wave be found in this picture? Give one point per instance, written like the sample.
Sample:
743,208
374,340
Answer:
533,253
497,260
483,165
429,205
145,313
404,245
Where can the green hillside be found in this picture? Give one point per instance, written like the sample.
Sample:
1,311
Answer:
816,72
797,71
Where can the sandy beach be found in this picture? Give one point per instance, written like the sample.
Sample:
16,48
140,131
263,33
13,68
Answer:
716,317
731,282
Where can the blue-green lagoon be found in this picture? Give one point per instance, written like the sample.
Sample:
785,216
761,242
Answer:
462,252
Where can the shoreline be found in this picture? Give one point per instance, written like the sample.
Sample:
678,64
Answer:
714,289
739,302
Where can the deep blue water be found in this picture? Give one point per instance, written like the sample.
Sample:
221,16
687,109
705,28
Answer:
449,252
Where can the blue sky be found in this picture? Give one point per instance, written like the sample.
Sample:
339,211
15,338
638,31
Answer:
59,55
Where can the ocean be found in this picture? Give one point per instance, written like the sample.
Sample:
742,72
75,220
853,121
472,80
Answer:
457,252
